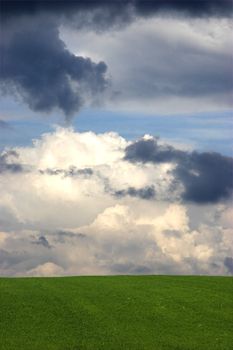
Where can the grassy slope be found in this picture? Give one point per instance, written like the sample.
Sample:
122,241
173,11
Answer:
121,312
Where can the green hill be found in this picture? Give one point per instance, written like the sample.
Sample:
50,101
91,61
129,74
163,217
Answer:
120,312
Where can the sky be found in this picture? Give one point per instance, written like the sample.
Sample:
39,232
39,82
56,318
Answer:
116,137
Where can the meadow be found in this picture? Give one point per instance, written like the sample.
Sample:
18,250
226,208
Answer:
116,312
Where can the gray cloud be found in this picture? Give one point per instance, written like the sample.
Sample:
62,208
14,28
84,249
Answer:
111,11
71,172
62,236
147,192
207,177
228,262
193,7
165,64
150,151
12,167
198,73
42,240
7,259
130,268
37,66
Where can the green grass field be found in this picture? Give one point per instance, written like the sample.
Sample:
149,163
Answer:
121,312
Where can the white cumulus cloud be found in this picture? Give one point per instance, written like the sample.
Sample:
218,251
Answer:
79,207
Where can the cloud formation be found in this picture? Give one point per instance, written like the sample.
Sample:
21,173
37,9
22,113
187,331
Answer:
72,171
42,240
10,166
39,69
147,192
168,65
110,11
123,216
37,66
206,177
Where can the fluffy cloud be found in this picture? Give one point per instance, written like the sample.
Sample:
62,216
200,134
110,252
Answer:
82,208
48,269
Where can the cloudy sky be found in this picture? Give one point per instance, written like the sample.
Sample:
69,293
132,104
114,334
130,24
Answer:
116,137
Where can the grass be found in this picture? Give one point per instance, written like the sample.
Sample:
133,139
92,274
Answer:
120,312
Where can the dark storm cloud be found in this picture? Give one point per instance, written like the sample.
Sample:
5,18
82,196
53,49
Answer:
6,166
191,7
207,177
37,66
150,151
105,10
147,192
